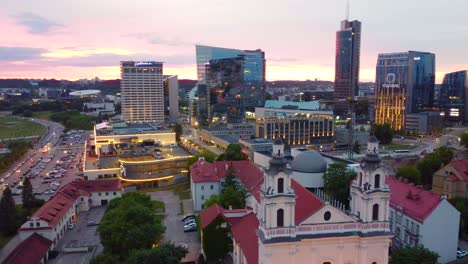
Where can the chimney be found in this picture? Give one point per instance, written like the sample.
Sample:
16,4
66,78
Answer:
215,169
230,207
201,158
226,166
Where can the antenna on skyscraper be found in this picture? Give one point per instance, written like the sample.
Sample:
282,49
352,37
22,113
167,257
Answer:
347,10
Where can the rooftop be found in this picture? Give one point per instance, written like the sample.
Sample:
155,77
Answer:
414,201
121,128
312,105
31,250
461,166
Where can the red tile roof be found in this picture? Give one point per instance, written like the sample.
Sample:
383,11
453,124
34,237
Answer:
461,166
415,202
31,250
246,171
58,205
209,214
244,231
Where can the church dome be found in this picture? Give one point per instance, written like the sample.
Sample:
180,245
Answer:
309,162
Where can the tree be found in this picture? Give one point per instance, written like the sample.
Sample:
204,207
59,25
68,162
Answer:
27,194
432,162
214,199
383,133
409,172
130,223
233,152
461,204
336,182
232,197
7,213
106,259
356,147
215,239
464,139
417,255
445,154
178,130
167,254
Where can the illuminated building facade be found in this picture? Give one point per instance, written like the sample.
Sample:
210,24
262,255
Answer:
347,56
453,96
142,91
404,85
171,97
295,126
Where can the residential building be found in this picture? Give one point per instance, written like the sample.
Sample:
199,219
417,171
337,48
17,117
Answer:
404,85
171,97
231,133
52,219
34,249
98,108
453,99
285,223
421,218
142,91
452,179
347,57
294,125
424,123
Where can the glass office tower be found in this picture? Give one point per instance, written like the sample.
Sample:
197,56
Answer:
250,92
404,85
453,96
347,56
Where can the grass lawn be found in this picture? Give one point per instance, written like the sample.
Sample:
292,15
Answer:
12,127
398,147
42,115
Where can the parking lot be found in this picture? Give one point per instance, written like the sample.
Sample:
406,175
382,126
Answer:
175,226
81,235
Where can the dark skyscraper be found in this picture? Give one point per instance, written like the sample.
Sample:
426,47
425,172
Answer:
454,96
347,54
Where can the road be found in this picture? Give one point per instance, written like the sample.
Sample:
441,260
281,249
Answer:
49,154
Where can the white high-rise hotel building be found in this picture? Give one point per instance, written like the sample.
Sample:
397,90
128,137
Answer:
142,91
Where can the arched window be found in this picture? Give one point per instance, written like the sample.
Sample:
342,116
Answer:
280,218
327,262
375,212
377,181
360,179
280,185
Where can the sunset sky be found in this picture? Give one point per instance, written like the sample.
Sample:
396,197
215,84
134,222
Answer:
87,38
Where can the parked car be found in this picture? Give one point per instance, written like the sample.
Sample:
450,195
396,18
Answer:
191,229
92,223
461,253
188,217
71,226
190,225
189,221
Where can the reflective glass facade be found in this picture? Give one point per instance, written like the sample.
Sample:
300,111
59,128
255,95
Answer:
453,96
404,85
347,55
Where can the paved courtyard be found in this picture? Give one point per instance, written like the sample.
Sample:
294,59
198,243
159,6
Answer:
174,225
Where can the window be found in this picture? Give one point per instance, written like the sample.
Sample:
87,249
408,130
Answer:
38,224
115,193
375,212
327,216
377,181
202,187
417,229
99,194
280,218
327,262
211,187
407,223
31,224
107,193
203,197
82,199
280,185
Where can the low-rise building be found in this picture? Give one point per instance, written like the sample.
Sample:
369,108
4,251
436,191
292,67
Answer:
424,122
420,217
53,218
34,249
98,108
452,180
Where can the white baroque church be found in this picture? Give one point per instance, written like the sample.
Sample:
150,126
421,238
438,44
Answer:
285,223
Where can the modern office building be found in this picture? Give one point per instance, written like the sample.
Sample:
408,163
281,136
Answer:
404,85
424,123
171,97
295,125
142,91
230,81
453,97
347,55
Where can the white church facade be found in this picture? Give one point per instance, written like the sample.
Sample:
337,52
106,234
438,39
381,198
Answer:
285,223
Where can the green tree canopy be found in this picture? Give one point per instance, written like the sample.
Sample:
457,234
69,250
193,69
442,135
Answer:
336,182
233,152
464,139
384,133
445,154
214,199
178,130
7,213
167,254
27,194
232,197
462,206
432,162
409,172
417,255
215,239
130,223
